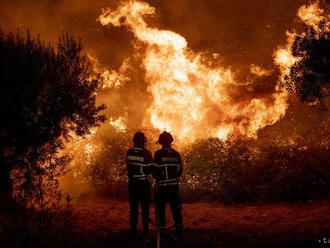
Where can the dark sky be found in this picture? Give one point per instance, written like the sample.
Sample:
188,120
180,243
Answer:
242,32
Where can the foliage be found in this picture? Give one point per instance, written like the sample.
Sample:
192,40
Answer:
106,170
309,77
242,171
107,166
237,170
46,94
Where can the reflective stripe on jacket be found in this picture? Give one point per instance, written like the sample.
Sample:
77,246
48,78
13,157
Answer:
167,167
138,161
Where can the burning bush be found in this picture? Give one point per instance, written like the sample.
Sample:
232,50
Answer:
236,170
99,163
106,169
197,98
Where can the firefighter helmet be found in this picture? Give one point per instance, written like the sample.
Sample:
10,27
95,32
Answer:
139,139
165,138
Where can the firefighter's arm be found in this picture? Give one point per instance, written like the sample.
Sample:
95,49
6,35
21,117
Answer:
147,169
154,167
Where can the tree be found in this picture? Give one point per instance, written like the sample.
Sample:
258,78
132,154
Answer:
46,94
309,77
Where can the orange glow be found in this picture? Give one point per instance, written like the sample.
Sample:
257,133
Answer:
283,57
88,152
109,79
259,71
118,124
311,14
190,98
223,133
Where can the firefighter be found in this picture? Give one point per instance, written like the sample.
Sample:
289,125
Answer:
167,169
138,160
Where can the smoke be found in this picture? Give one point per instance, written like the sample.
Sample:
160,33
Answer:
242,32
240,36
193,96
237,37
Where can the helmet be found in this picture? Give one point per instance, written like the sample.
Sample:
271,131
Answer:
165,138
139,139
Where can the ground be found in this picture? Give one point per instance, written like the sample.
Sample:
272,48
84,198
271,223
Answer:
101,222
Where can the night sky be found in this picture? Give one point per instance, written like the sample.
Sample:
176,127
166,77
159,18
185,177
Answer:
242,32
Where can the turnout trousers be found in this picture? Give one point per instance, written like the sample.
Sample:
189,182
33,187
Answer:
139,193
170,195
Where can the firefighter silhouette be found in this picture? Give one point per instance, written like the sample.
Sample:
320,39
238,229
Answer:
166,170
138,160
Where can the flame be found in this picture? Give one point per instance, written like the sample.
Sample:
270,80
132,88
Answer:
259,71
118,124
110,79
223,133
84,144
311,14
283,56
88,151
190,98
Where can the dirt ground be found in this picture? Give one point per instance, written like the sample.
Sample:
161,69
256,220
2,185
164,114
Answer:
103,222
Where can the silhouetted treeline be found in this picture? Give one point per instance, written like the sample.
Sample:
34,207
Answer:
309,77
248,171
45,94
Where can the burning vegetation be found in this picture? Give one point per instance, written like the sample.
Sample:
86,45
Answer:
200,100
165,85
249,131
191,94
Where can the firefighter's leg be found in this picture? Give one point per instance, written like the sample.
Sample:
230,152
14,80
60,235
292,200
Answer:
134,203
160,208
145,202
176,209
134,215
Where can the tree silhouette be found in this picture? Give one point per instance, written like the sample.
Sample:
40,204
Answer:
309,77
45,94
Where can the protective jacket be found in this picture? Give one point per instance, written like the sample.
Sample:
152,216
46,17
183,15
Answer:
138,162
167,168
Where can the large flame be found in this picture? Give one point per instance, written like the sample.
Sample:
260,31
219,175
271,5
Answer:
190,98
283,56
311,14
110,79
